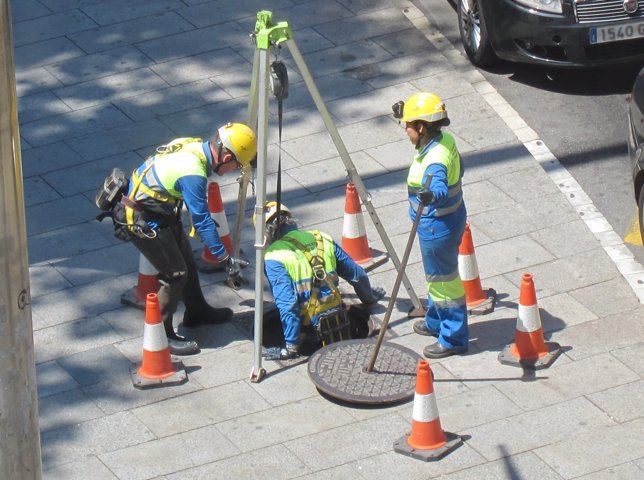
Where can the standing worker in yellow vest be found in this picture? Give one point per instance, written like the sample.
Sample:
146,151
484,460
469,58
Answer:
306,292
442,221
149,215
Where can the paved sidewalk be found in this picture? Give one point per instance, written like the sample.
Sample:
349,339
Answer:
101,83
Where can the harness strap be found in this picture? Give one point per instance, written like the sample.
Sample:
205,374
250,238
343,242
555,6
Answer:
319,273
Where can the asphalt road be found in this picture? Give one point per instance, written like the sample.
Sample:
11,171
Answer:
581,117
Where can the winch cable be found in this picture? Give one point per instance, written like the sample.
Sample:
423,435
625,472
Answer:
279,85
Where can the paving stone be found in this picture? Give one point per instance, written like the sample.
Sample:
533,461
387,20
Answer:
52,379
40,105
121,10
305,15
607,297
595,449
36,161
523,465
78,470
50,26
65,409
130,32
34,80
44,279
96,436
39,54
210,13
484,196
69,210
632,356
566,239
510,254
622,403
626,471
27,9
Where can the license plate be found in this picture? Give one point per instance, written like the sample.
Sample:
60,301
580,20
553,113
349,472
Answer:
617,33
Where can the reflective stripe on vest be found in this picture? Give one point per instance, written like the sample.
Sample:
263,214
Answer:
443,152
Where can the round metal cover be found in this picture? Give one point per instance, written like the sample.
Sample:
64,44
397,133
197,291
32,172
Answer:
339,370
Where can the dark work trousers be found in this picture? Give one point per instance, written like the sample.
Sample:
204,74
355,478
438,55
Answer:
171,255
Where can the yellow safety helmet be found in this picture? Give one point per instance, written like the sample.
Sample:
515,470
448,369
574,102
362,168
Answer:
241,140
426,107
270,210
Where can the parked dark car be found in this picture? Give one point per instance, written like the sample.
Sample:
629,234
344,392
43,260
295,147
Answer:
636,143
562,33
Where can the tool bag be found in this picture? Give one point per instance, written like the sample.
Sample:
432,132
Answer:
114,186
333,323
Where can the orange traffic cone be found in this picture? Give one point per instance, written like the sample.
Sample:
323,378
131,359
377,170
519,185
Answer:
208,262
427,440
479,302
148,282
529,350
157,368
354,234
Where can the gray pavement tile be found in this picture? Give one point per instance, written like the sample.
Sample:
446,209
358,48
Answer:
342,471
367,106
205,65
98,65
39,54
79,470
568,273
310,14
566,239
22,10
594,449
121,140
117,394
592,338
93,437
193,42
560,311
70,125
130,32
525,466
622,403
73,337
50,26
89,176
483,196
632,356
210,13
101,364
270,427
121,10
350,29
68,211
44,279
528,183
61,5
34,80
347,443
307,39
106,89
172,100
534,429
484,132
394,465
509,254
38,191
40,105
566,381
65,409
625,471
403,42
447,84
128,322
36,161
493,161
394,156
52,379
345,57
275,462
198,409
150,459
222,366
607,297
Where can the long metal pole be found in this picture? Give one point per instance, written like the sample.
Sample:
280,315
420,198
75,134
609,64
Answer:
19,434
351,169
260,239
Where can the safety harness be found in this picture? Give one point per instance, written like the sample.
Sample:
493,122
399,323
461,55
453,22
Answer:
333,324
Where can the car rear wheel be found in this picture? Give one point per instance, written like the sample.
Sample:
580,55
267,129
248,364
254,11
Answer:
474,36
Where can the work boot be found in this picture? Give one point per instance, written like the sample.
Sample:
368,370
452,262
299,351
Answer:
377,294
420,327
280,353
438,350
181,345
205,315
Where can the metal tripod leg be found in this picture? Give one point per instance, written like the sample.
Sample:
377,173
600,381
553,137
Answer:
351,169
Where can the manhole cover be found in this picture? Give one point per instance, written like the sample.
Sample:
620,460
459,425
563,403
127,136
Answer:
339,370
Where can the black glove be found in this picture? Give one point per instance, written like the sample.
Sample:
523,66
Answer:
425,196
234,265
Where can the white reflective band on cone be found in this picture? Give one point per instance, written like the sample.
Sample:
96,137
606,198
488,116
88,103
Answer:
353,226
154,338
220,219
425,408
145,267
529,319
467,267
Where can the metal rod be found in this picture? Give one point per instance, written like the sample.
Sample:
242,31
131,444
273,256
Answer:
394,291
260,239
20,444
350,167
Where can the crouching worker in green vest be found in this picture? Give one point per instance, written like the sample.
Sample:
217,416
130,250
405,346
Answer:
303,270
149,215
